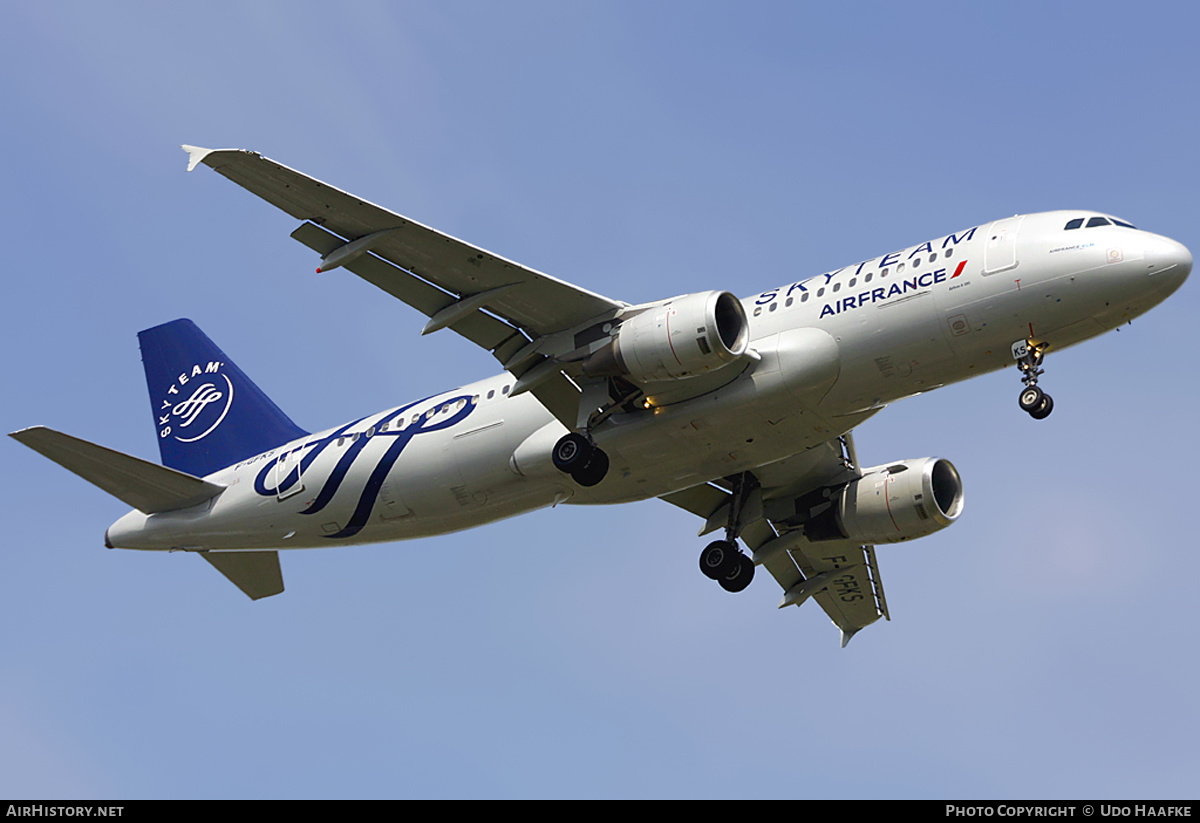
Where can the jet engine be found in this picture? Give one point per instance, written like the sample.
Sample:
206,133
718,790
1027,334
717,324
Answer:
675,339
893,503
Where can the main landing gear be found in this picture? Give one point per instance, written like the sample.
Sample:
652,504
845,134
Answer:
581,458
1033,400
722,560
577,454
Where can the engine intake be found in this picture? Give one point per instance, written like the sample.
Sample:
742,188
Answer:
893,503
675,339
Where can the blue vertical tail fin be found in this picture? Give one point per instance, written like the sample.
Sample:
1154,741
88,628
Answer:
207,412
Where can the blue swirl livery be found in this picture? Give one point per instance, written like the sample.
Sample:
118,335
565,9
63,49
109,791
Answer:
738,411
207,412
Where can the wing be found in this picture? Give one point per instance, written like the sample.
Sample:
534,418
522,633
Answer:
842,576
504,307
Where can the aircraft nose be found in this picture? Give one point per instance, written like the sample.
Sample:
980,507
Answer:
1169,261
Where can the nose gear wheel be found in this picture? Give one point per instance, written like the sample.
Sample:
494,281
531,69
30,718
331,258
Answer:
1029,353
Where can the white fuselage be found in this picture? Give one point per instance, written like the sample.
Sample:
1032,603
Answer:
830,351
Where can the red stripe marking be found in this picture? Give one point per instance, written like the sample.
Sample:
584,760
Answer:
962,265
887,499
670,314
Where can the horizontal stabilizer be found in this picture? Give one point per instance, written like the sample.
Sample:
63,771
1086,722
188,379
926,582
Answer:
146,486
255,573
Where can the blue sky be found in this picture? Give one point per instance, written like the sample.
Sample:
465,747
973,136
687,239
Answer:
1042,647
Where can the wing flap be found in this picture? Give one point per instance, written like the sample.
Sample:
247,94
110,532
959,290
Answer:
849,596
557,393
703,501
147,487
540,305
481,329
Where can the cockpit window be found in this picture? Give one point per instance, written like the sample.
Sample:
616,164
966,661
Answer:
1097,221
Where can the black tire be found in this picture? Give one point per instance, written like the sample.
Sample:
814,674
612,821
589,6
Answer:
571,452
740,577
594,471
1043,411
1030,398
718,559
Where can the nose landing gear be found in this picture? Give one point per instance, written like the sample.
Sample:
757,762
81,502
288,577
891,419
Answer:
1036,402
1028,354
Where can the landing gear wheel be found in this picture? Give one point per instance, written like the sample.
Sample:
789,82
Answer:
1043,410
740,577
594,471
718,559
1029,353
572,452
1031,399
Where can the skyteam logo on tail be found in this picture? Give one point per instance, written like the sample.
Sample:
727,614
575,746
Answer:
196,403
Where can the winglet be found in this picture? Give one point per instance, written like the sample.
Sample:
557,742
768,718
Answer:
196,155
846,635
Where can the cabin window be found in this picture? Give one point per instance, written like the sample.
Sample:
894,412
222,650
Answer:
774,306
899,268
789,302
916,262
837,287
757,311
505,389
867,279
949,252
933,257
804,297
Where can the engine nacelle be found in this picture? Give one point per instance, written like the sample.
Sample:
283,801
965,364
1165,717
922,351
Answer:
893,503
676,339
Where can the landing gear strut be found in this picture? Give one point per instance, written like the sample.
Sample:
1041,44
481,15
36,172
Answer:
722,560
1033,400
579,457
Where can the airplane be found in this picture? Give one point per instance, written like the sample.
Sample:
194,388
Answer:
739,411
